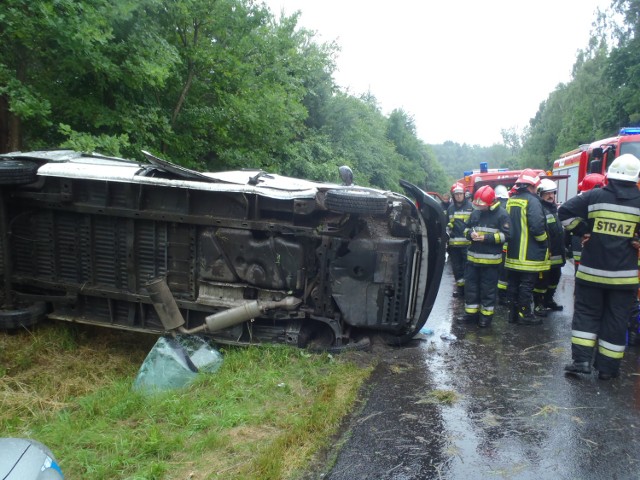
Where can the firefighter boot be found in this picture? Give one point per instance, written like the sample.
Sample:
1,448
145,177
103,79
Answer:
607,375
468,318
539,308
513,313
484,321
502,298
526,316
549,302
459,291
578,367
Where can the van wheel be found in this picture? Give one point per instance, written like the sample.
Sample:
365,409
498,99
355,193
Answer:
22,317
355,200
18,172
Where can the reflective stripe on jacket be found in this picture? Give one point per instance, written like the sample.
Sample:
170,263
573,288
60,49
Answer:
527,250
612,216
494,225
557,255
457,217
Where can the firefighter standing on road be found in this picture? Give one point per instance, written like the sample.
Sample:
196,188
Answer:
488,229
527,251
607,278
547,283
457,215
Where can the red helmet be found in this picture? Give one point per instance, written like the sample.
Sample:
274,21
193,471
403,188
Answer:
457,188
528,177
591,181
484,197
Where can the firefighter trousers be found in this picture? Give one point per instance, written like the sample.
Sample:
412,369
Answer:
547,282
458,257
480,287
520,288
600,319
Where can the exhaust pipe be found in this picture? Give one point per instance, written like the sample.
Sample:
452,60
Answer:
164,304
171,318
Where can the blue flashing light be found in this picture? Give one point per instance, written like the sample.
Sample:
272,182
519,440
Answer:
629,131
484,167
466,173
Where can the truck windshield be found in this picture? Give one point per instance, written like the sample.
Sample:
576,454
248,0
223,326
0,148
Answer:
630,147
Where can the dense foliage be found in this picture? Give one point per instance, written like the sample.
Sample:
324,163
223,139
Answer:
221,84
602,96
211,84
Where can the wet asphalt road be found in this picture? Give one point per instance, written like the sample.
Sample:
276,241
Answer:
514,414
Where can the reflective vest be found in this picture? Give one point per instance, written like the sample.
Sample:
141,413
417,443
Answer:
527,250
457,217
494,225
612,216
557,256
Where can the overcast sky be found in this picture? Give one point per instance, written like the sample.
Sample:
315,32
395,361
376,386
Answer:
463,69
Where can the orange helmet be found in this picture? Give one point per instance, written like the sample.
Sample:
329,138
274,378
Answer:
457,188
484,197
591,181
528,177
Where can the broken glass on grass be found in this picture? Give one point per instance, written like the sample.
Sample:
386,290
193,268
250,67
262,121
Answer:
175,362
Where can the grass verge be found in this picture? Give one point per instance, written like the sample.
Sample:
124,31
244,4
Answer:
264,414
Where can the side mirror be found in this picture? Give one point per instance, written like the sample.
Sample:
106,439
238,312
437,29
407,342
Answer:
597,153
595,166
346,174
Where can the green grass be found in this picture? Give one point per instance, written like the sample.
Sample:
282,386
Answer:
264,414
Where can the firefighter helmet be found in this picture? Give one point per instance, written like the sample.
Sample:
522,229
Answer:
484,198
547,185
457,188
528,177
626,168
591,181
501,191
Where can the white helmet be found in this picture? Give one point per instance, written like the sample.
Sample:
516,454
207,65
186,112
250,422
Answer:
547,185
501,191
626,167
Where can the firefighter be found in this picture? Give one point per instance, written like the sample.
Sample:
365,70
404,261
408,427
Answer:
607,277
488,229
446,201
589,182
547,283
527,251
457,215
502,194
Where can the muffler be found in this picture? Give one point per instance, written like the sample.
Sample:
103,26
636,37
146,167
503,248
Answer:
171,318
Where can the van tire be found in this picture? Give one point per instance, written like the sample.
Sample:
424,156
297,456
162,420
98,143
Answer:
22,317
18,172
355,200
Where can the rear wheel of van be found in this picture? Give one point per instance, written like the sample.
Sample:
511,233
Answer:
23,317
18,172
355,200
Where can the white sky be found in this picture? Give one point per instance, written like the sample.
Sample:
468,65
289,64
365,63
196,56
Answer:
463,69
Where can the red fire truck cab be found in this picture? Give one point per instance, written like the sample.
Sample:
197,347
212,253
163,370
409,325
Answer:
474,179
593,157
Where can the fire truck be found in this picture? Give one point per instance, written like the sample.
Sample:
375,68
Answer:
593,157
474,179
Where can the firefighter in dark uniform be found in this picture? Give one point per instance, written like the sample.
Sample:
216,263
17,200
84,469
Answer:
502,194
607,278
547,283
589,182
527,253
457,215
488,229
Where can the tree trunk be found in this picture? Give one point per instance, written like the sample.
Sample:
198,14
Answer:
4,124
